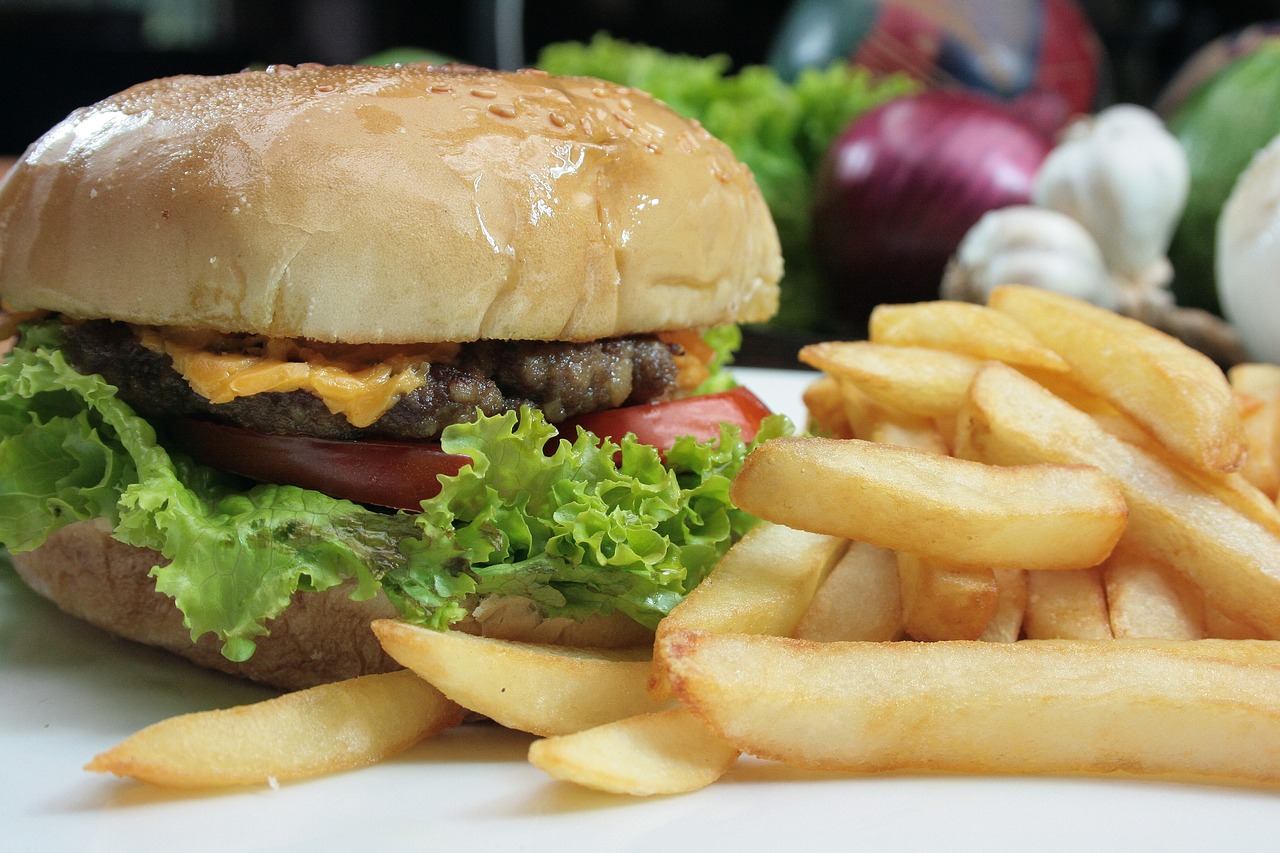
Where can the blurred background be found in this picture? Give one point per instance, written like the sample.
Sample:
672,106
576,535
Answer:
65,53
59,54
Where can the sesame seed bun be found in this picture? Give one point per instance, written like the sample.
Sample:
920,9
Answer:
388,204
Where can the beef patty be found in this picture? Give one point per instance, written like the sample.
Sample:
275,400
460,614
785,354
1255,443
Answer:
563,379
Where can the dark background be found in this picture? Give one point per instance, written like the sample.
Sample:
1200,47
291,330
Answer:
56,55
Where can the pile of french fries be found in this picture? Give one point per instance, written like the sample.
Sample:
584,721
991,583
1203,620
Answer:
1031,537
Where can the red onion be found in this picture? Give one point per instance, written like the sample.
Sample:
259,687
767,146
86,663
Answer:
903,184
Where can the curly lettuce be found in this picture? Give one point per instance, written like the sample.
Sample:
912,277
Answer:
589,527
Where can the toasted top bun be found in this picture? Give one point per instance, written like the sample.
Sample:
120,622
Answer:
388,204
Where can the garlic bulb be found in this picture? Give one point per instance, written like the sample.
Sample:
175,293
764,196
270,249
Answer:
1248,255
1125,178
1024,244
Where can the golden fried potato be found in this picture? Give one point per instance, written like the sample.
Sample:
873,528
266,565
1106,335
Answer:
861,599
919,381
1230,556
544,690
320,730
825,403
1207,710
964,328
1175,392
1259,387
666,752
1148,599
763,585
1066,606
943,602
941,507
1005,624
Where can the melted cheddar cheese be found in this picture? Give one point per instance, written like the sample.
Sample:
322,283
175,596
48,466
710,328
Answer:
693,360
360,382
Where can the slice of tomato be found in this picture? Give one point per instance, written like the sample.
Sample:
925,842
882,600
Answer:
396,474
402,474
660,424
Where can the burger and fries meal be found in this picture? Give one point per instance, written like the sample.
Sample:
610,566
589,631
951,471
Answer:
393,388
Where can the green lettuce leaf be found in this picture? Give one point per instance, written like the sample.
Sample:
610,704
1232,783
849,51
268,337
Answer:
724,341
590,527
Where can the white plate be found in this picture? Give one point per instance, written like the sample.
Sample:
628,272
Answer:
68,692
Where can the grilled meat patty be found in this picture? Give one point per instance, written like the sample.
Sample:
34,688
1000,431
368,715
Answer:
563,379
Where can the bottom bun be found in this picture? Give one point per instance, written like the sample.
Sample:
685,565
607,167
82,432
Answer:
321,637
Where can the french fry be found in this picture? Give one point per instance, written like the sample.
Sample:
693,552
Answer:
908,431
1066,606
825,404
762,585
921,381
1005,624
1260,385
861,413
543,690
860,599
1207,710
941,602
1224,627
1232,488
965,328
967,513
871,420
324,729
1261,466
666,752
1255,379
1231,557
1148,599
1175,392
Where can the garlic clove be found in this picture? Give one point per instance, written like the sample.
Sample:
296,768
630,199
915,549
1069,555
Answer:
1125,178
1248,255
1024,244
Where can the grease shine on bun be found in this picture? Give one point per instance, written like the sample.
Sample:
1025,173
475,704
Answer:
388,205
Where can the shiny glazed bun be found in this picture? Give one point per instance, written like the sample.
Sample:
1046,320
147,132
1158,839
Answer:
375,204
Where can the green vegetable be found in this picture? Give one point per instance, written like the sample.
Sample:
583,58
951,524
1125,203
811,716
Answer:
571,530
406,56
1221,125
780,130
724,341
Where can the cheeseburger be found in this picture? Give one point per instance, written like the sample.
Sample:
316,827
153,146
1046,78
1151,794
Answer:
305,347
